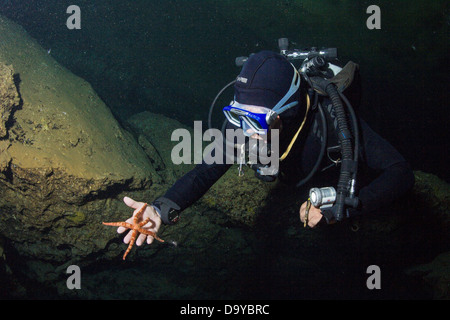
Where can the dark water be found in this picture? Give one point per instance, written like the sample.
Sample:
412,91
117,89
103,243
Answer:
172,57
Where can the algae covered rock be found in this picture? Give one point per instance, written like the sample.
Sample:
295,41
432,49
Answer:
436,274
242,198
433,192
9,97
433,195
154,136
65,161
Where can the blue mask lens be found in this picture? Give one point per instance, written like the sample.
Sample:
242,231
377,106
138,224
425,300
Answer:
240,117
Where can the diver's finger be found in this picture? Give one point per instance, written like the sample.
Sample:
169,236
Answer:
302,214
314,222
131,203
149,239
141,239
127,238
303,206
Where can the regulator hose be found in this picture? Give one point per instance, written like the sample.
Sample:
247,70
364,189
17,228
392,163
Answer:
348,165
211,108
322,147
355,133
344,137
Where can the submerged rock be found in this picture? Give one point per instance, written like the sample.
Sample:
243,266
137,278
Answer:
436,274
64,159
433,194
9,97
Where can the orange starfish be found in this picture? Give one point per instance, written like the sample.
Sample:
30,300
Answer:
136,227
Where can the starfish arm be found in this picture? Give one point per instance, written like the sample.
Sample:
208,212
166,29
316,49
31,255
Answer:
143,223
119,224
150,233
130,245
139,213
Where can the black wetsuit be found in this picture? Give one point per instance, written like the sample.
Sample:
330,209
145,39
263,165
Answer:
383,173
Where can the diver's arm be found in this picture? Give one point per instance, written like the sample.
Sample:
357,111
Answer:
392,183
395,176
194,184
183,193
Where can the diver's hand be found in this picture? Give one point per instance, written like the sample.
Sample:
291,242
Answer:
153,225
314,215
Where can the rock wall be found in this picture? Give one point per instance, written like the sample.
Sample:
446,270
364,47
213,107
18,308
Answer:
9,97
433,194
64,159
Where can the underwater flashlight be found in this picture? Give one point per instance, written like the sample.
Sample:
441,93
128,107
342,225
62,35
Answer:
322,197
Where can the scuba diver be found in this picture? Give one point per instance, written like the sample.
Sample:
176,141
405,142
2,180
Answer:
317,131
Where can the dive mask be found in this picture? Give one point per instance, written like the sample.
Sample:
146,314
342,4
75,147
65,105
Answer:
252,119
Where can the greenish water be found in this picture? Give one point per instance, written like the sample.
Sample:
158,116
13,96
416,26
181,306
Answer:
172,57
